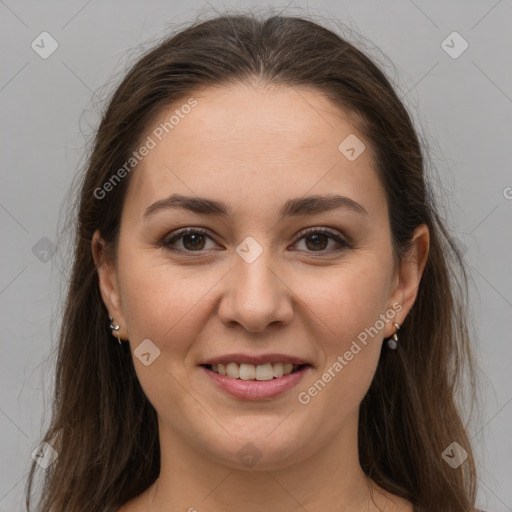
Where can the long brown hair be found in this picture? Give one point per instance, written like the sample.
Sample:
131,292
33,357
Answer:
103,427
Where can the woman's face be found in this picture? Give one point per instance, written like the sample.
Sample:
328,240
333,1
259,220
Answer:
252,286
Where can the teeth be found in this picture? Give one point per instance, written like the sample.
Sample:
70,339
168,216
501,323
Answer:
233,370
246,371
264,372
278,369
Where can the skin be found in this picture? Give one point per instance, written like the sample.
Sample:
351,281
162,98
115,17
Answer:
254,148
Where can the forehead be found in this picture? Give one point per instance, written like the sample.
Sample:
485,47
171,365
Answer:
243,142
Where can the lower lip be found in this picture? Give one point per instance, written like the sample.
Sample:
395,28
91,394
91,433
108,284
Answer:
256,389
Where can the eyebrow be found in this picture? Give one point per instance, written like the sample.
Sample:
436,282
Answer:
293,207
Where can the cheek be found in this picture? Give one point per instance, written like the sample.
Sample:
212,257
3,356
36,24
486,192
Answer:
162,302
348,331
349,299
165,304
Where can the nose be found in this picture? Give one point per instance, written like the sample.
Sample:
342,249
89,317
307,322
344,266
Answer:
256,296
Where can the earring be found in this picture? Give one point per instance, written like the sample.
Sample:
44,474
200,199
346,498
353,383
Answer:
393,341
115,329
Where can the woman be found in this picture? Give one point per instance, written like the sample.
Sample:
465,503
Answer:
287,309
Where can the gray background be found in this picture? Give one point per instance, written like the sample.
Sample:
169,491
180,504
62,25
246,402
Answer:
49,108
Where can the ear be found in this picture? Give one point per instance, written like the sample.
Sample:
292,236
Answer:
408,276
108,283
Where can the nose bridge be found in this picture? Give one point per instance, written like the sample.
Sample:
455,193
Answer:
255,273
256,296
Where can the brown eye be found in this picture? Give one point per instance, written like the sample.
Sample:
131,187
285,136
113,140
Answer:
192,240
317,240
195,240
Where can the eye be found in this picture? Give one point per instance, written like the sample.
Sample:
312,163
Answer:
317,240
192,240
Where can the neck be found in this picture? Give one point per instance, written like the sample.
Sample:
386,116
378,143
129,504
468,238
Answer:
190,481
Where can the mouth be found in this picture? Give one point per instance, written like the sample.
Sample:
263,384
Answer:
259,372
247,381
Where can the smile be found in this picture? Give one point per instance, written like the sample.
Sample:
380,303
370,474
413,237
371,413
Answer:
255,382
245,371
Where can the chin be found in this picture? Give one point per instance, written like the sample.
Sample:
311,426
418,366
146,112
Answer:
263,451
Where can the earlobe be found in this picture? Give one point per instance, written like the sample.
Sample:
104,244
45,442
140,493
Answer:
107,280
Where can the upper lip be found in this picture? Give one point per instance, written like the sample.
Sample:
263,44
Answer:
255,359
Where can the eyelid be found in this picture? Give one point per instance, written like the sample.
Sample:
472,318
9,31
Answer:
185,231
333,234
327,231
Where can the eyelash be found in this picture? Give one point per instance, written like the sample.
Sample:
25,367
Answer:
168,241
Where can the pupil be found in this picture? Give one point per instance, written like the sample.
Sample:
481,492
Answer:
196,239
316,244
